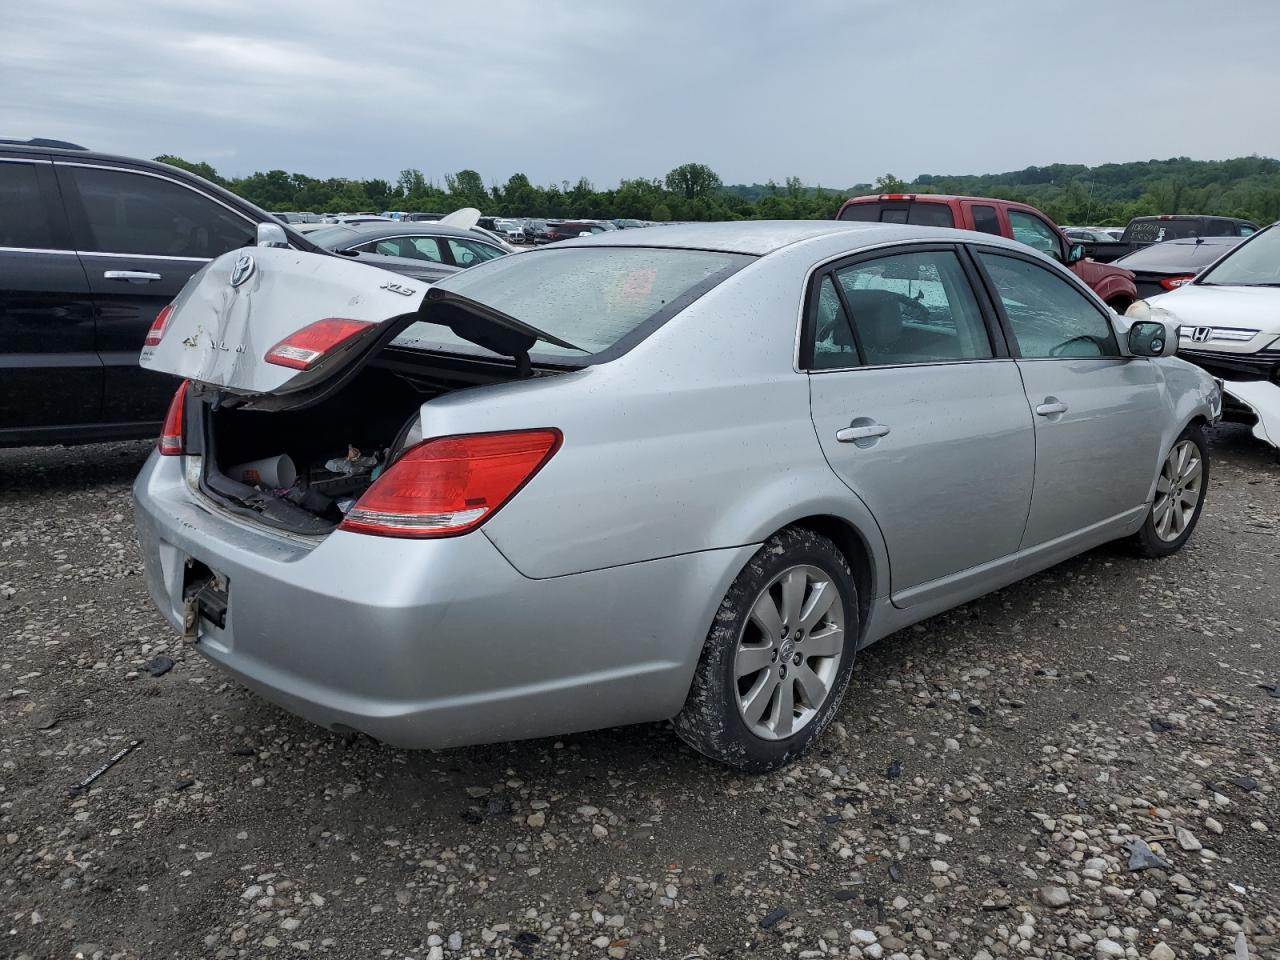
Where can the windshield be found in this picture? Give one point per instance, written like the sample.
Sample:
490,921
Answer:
1255,263
592,297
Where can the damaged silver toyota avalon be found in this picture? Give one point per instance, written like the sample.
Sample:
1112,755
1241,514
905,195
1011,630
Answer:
680,474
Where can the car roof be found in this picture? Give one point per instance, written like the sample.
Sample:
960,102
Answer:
762,237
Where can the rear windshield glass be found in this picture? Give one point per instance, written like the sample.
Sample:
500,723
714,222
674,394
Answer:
922,214
592,297
1180,255
1157,231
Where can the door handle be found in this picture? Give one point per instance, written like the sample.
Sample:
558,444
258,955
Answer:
1051,407
133,276
864,432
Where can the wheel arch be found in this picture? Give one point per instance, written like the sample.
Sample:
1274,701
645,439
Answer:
853,544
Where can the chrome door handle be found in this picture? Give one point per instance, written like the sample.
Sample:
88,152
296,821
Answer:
868,432
1050,407
133,276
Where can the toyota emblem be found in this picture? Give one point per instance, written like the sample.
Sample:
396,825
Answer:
242,270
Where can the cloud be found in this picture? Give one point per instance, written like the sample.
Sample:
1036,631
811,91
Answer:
834,92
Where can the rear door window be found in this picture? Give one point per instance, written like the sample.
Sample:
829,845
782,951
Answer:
1049,317
985,219
833,344
135,213
24,218
914,308
467,253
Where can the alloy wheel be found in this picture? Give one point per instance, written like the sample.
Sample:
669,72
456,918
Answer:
788,652
1177,491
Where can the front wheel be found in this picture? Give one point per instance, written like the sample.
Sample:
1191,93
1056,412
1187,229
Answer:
778,657
1179,498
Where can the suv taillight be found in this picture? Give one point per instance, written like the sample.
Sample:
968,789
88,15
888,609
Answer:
170,442
451,485
158,326
302,349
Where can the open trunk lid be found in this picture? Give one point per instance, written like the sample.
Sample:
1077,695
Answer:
243,304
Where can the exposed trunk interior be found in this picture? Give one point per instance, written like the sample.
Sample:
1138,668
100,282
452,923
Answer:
336,447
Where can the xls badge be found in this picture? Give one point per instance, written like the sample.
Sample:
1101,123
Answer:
242,270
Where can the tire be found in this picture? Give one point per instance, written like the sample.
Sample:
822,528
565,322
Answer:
744,722
1179,498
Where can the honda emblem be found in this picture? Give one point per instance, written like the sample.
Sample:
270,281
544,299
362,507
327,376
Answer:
1201,334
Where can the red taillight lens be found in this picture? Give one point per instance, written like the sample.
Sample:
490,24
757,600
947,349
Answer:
1173,283
170,442
158,326
301,350
451,485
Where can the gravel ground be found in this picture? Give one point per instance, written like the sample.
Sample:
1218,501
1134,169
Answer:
981,795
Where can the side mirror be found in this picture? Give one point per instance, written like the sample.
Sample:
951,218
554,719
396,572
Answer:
584,233
272,235
1152,338
1076,253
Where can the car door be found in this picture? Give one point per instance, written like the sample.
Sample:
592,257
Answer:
50,374
140,236
1095,408
920,410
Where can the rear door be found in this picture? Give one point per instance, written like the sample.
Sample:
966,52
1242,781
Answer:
920,410
50,374
140,236
1096,410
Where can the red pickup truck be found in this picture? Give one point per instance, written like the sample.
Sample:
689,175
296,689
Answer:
1004,218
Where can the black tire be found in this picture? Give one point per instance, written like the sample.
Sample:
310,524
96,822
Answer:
710,720
1147,542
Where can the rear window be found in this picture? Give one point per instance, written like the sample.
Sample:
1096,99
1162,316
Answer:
919,213
1176,256
1158,231
594,297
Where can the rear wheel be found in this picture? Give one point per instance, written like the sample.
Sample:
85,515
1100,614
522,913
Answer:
1179,498
777,660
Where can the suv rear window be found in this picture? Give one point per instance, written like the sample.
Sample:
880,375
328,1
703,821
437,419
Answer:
593,297
920,213
1157,231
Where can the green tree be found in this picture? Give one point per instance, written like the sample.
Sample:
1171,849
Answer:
660,212
199,169
889,184
691,180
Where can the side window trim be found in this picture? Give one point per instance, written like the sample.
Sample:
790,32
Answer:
79,220
993,320
998,304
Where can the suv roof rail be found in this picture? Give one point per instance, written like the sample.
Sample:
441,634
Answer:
44,142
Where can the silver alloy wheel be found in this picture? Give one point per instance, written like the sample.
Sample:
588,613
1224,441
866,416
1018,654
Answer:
1177,491
788,652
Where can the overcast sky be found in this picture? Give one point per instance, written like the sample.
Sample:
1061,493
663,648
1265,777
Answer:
833,91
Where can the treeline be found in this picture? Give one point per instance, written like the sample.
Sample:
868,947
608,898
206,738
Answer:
1110,194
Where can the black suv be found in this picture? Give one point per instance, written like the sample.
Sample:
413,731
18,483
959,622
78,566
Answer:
91,247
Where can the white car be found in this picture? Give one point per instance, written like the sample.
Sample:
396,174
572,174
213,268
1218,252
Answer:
1228,321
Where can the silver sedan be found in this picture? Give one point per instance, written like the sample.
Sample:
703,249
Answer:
679,474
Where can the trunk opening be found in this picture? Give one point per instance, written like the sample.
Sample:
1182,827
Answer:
301,469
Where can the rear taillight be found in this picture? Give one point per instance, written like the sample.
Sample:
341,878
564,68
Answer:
897,196
1173,283
170,442
451,485
158,326
302,349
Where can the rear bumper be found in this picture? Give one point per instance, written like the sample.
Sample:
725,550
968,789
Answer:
431,643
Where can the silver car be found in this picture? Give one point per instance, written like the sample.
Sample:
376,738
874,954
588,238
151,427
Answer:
678,474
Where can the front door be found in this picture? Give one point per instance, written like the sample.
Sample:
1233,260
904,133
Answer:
140,237
919,412
1096,410
50,374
